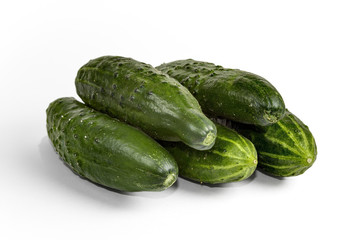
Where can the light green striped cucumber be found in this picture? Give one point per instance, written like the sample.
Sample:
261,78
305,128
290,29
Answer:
106,150
232,158
286,148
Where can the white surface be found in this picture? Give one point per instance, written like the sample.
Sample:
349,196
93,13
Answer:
309,50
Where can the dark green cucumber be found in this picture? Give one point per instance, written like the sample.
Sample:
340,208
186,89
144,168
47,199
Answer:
146,98
107,151
232,158
286,148
229,93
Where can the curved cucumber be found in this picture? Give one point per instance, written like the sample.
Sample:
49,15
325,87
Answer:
146,98
232,158
229,93
107,151
286,148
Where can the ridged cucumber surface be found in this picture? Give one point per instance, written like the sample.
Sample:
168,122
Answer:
107,151
286,148
232,158
144,97
229,93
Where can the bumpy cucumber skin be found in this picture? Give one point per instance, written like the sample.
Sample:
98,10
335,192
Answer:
229,93
107,151
286,148
144,97
232,158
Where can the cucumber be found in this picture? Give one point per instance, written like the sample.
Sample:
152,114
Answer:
229,93
232,158
286,148
146,98
107,151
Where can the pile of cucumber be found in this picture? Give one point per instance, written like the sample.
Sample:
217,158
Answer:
140,127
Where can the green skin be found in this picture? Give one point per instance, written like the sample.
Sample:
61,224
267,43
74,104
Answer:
232,158
229,93
286,148
146,98
107,151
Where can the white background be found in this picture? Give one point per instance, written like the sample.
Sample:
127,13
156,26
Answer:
308,49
